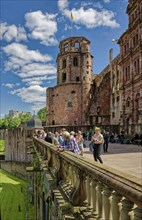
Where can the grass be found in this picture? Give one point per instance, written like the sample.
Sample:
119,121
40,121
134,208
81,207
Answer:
11,197
2,147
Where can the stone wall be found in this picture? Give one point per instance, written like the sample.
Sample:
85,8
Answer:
15,168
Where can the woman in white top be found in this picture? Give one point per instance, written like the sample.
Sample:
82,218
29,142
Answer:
98,141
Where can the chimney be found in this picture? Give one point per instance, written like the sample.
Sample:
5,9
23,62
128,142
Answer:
110,55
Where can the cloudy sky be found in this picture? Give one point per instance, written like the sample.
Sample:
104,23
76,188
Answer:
31,31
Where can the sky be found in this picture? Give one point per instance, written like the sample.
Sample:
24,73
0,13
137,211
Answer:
30,34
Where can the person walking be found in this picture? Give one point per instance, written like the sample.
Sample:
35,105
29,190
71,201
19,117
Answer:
105,144
98,140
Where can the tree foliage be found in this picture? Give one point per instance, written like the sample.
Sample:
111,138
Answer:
10,122
42,114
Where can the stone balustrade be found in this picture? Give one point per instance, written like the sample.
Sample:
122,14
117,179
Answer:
95,191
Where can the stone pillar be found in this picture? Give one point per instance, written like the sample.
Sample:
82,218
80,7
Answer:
88,192
106,202
126,208
138,213
116,198
93,193
99,199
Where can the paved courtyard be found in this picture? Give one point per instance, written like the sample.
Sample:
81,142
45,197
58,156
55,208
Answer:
126,158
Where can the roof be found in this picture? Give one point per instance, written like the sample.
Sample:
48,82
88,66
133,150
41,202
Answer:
77,37
34,122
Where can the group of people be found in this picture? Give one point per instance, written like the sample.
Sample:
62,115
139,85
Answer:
64,140
74,142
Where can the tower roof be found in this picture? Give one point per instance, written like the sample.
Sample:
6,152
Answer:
34,122
77,37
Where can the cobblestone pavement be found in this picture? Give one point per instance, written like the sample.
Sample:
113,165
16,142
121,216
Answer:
123,157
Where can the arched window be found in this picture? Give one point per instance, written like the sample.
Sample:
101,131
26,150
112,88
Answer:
128,102
66,47
76,45
70,104
75,61
53,122
64,77
64,63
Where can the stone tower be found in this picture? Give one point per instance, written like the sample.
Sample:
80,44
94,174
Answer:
67,102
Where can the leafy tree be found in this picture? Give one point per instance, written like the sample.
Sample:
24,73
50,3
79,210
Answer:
42,114
25,117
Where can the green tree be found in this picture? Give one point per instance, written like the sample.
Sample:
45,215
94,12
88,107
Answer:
25,117
42,114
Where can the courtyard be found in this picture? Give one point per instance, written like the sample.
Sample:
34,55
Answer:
126,158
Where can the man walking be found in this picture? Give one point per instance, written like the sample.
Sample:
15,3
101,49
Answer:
105,144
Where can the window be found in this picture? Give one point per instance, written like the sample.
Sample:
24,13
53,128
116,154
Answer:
73,92
77,79
117,99
64,77
128,102
64,63
113,115
66,47
70,104
138,65
76,45
75,61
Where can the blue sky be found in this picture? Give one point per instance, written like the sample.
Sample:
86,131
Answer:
30,34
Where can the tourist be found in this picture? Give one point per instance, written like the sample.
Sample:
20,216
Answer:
105,144
98,140
80,140
48,138
69,144
122,136
55,139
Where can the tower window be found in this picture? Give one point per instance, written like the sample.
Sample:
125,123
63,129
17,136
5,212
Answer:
77,79
76,45
64,77
73,92
66,47
75,61
64,63
70,104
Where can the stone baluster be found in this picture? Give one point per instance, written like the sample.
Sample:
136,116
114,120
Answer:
78,193
116,198
94,196
127,206
138,213
106,202
99,199
88,192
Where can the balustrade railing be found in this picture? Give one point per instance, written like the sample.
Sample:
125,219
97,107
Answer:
101,192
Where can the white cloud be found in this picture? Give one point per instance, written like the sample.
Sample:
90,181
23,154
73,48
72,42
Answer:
31,94
29,65
63,4
34,95
12,32
43,27
8,85
90,17
106,1
20,54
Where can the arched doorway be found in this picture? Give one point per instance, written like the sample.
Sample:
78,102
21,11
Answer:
53,122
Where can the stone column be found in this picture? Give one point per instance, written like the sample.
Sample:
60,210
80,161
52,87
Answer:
116,198
138,213
94,199
106,202
99,199
126,208
89,192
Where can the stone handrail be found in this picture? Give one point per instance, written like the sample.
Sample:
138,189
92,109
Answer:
99,191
